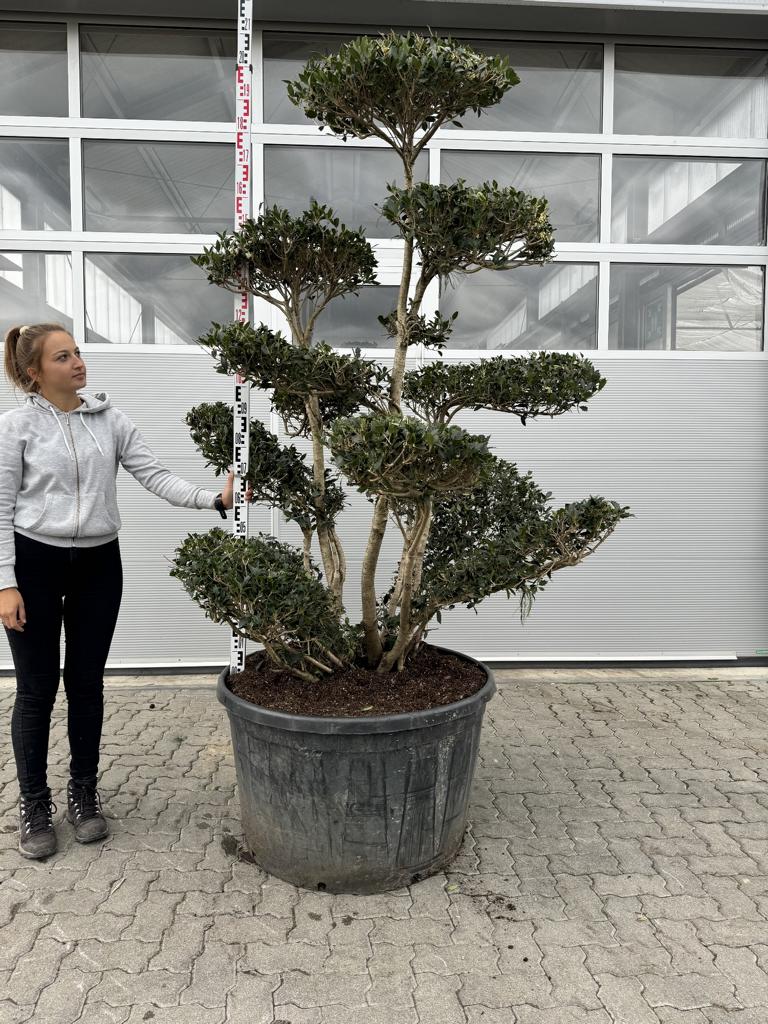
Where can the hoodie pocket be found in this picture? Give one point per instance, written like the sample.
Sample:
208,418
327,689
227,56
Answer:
98,514
31,516
58,516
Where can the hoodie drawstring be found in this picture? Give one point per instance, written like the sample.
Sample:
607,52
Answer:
91,433
58,423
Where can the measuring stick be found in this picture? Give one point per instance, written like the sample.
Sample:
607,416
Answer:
242,398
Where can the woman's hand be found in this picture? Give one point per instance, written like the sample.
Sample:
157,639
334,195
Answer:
226,491
12,611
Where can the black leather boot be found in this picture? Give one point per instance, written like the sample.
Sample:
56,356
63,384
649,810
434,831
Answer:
37,837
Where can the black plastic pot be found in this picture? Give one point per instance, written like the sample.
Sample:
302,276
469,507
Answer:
355,805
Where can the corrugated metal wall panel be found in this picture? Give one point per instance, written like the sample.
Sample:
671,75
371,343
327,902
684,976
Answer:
683,442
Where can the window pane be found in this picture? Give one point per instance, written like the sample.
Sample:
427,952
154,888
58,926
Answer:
138,299
34,185
552,307
33,69
669,90
350,322
571,183
694,308
347,179
559,89
159,187
285,54
158,74
692,202
35,288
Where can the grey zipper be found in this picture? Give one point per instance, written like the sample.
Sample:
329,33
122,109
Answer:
77,480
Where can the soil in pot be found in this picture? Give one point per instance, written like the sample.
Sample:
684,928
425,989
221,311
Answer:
430,678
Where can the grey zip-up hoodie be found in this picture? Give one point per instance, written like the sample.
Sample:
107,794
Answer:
58,472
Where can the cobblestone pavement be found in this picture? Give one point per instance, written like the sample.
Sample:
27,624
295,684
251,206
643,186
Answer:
615,871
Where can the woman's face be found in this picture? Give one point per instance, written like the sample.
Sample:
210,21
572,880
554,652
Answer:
61,367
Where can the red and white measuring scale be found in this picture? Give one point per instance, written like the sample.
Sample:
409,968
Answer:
242,397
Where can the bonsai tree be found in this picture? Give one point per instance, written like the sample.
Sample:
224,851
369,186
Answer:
472,525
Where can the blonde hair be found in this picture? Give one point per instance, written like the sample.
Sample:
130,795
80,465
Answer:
24,350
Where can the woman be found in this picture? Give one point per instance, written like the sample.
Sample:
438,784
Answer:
60,560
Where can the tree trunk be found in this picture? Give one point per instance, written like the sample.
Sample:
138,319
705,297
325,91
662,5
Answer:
401,347
421,528
326,535
373,645
373,648
307,535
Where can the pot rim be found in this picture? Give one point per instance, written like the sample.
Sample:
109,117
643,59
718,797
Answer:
396,722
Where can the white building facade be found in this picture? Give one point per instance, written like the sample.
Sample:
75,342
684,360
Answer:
646,126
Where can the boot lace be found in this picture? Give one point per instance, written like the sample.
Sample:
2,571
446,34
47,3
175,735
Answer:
38,814
86,800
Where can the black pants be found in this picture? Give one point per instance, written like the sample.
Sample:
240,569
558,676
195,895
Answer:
83,587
